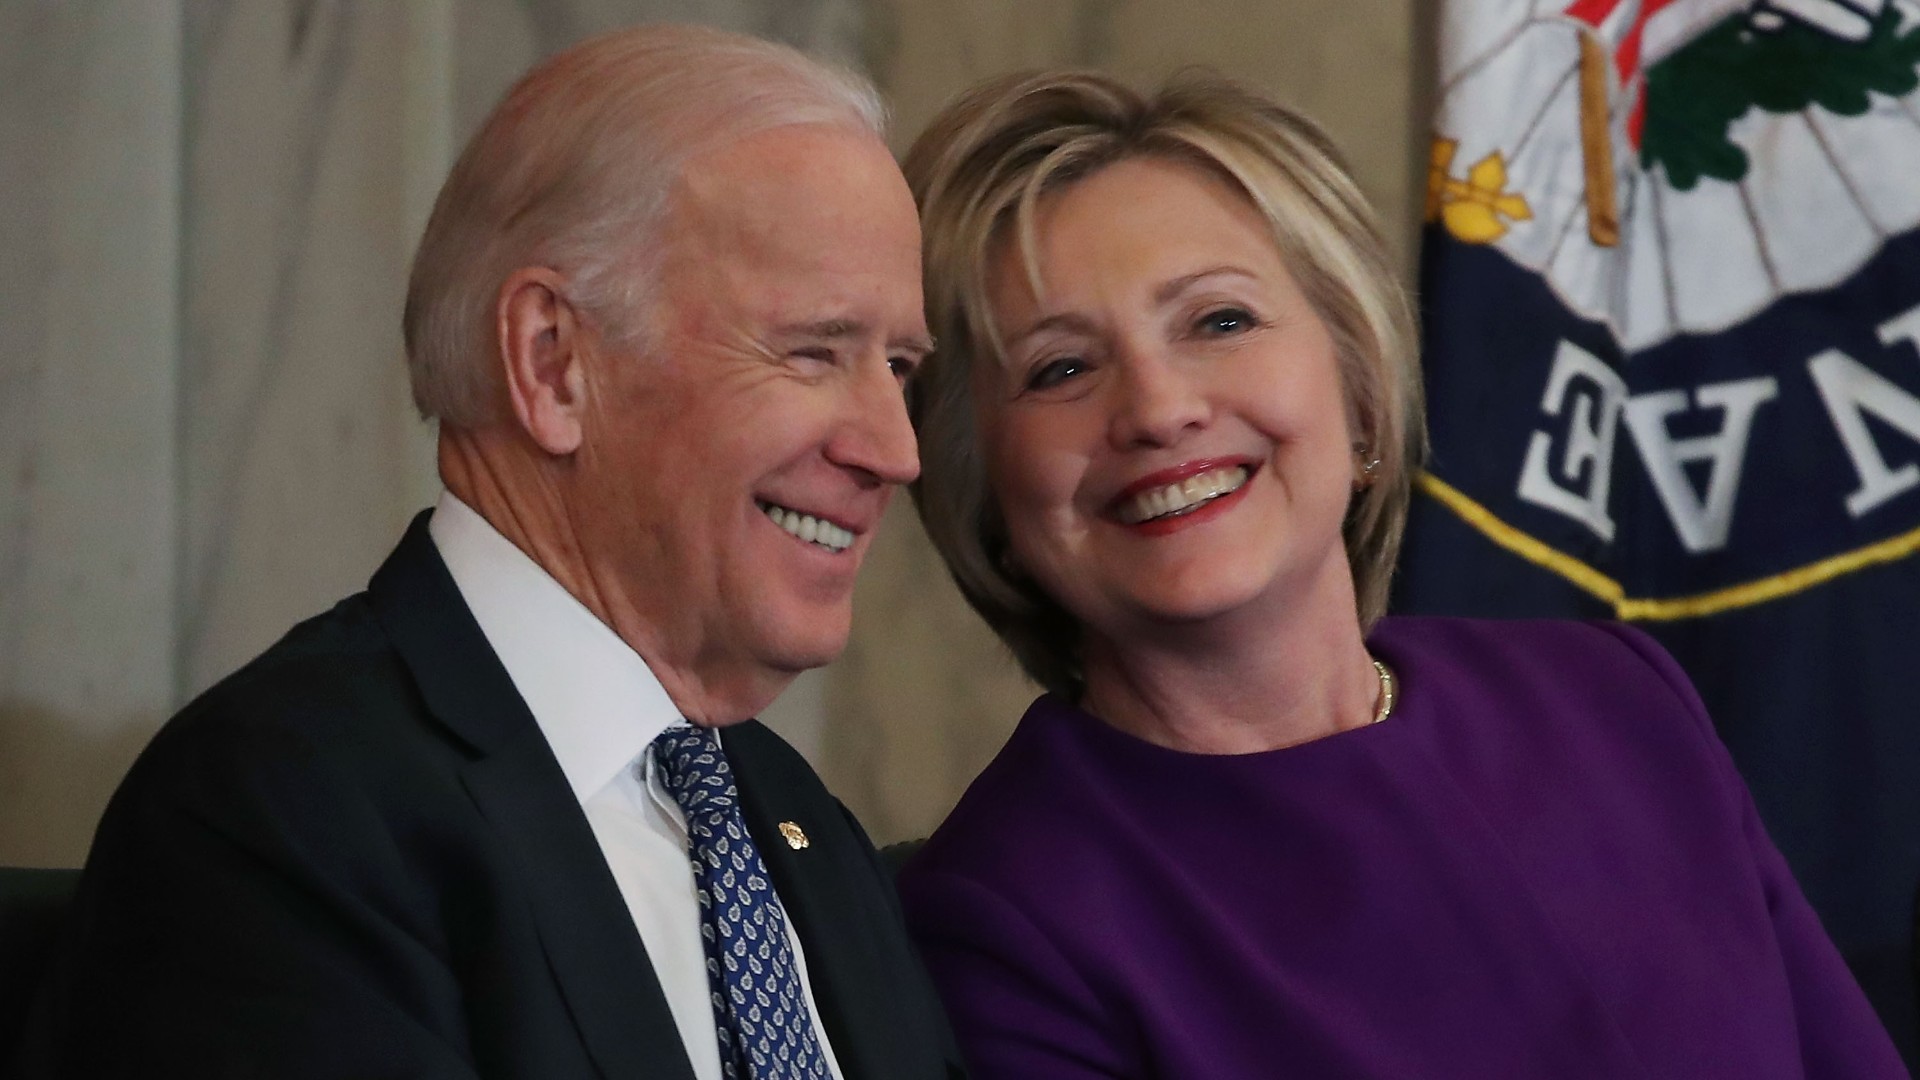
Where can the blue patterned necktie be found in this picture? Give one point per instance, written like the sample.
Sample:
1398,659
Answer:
759,1005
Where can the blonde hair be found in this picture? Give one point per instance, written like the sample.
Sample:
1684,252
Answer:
572,170
978,173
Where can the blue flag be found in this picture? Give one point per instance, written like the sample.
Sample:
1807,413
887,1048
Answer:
1671,292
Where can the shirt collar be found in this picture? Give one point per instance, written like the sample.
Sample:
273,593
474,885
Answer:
595,699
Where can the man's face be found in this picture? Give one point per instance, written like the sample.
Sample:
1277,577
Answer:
732,478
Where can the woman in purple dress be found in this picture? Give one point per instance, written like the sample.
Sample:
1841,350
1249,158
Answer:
1254,829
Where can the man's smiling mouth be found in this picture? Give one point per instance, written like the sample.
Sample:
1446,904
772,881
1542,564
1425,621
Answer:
813,530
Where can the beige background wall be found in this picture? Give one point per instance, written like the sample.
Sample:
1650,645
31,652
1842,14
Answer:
206,210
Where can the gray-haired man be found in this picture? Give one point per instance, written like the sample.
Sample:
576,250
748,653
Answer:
505,813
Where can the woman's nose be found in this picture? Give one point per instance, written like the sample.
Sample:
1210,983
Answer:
1157,402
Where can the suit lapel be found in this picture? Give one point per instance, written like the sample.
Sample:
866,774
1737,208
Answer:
596,955
594,951
863,976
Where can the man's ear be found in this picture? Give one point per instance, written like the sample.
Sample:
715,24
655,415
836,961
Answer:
543,349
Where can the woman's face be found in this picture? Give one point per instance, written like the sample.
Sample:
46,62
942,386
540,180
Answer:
1168,438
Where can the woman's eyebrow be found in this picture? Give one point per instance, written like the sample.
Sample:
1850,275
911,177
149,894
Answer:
1166,292
1064,320
1171,289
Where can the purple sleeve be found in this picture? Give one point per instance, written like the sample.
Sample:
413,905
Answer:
1017,1006
1840,1035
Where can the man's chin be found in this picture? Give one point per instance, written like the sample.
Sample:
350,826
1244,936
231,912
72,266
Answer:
798,658
807,638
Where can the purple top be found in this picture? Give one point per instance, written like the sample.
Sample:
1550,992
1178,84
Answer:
1541,865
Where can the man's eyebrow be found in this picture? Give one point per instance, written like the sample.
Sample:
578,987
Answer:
849,329
826,329
917,344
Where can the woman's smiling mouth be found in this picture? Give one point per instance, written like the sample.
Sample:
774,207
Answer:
1181,496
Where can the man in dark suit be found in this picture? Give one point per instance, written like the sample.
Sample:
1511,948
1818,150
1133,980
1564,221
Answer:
505,813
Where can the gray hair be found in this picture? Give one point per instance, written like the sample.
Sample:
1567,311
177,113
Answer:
573,169
978,173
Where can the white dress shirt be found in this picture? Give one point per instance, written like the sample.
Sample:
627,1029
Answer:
600,706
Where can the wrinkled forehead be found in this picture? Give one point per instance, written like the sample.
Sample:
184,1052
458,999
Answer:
813,217
808,176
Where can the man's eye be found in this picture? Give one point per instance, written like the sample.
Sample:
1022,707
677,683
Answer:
902,367
817,353
1221,322
1055,372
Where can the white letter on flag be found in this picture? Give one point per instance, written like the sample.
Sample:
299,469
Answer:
1702,524
1589,440
1849,388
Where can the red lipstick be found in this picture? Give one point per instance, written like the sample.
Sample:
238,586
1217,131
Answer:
1176,474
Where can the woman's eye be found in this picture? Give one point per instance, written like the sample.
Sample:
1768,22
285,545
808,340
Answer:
1227,320
1055,372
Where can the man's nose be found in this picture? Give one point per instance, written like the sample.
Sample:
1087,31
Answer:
876,437
1156,402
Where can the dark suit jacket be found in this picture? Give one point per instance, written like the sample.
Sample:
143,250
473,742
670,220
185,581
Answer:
358,857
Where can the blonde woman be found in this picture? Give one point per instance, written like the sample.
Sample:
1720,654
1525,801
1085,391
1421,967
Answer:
1254,829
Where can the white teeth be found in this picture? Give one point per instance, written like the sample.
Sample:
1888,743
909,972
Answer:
1184,497
809,528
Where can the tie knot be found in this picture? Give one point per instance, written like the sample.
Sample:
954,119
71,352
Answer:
695,771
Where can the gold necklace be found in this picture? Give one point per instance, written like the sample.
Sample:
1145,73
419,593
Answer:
1385,708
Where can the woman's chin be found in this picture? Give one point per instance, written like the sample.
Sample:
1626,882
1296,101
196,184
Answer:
1248,600
1191,607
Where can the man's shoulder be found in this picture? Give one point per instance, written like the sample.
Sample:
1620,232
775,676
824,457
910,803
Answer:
335,669
332,698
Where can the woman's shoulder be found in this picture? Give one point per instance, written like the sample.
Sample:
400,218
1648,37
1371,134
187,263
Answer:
1493,655
1444,633
1597,703
1033,802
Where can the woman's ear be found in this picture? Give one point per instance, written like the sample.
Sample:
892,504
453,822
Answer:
543,347
1366,465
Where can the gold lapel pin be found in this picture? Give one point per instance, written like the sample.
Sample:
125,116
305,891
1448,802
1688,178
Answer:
796,836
